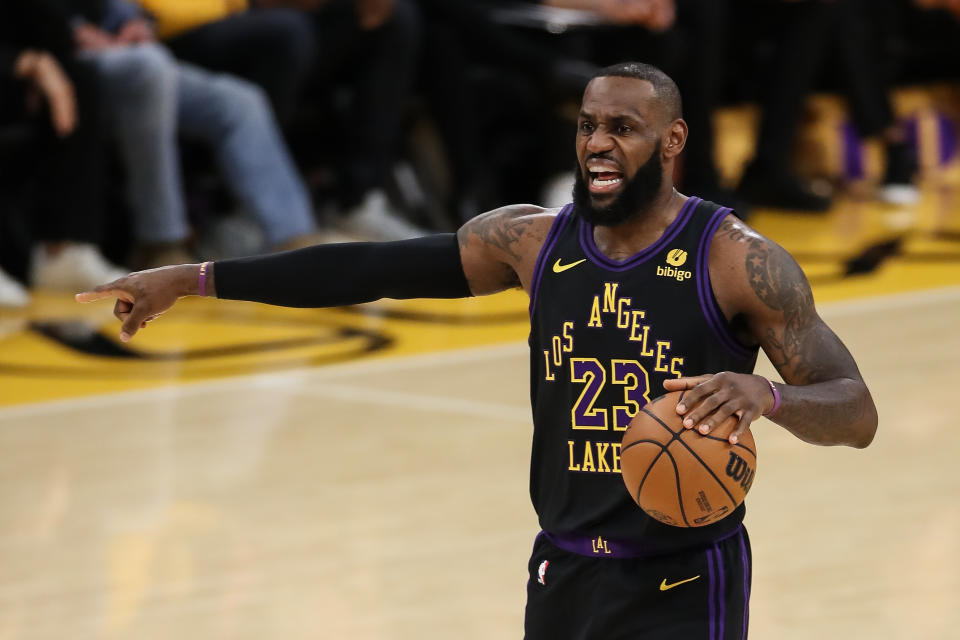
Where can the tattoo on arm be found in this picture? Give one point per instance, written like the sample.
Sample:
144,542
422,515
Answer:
806,347
830,403
502,230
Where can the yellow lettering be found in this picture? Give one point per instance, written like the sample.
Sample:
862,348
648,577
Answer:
623,317
599,545
675,365
557,356
546,358
661,345
646,353
602,465
572,467
610,296
615,448
595,314
588,456
635,317
568,337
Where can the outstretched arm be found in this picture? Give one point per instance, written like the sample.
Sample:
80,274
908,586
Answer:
484,258
824,399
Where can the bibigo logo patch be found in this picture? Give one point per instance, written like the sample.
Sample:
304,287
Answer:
675,258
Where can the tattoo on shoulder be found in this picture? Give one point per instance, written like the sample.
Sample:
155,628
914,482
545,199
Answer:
502,229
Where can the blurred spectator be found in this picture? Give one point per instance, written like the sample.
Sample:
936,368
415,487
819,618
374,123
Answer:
370,45
496,95
40,84
149,96
803,34
272,47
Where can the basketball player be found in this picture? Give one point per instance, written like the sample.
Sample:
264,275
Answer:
633,288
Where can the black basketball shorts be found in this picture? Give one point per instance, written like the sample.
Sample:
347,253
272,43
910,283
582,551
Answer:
693,594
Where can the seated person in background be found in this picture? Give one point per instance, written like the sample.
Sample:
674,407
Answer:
804,33
149,97
43,86
291,46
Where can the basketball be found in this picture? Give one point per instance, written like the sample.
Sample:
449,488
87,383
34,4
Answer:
680,476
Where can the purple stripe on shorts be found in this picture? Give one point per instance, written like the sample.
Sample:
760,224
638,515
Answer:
710,595
746,584
722,596
671,232
554,234
707,304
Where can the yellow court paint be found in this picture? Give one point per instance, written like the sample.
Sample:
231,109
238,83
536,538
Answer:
204,339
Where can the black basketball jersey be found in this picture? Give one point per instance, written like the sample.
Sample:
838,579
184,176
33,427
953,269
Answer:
604,336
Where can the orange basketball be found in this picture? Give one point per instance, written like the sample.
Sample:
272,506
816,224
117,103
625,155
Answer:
679,476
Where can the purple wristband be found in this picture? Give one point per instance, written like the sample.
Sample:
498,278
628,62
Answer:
776,399
202,280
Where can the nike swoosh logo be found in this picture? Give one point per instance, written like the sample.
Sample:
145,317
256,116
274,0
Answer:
560,268
666,587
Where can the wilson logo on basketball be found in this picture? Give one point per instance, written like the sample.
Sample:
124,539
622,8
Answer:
740,471
676,258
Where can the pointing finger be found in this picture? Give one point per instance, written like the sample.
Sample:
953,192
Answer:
110,290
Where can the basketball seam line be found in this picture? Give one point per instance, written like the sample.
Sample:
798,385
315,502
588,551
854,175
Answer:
742,446
676,474
676,437
647,472
656,442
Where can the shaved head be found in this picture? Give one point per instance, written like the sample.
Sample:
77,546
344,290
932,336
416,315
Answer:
668,94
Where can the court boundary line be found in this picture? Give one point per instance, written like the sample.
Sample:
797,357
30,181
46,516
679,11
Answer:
276,379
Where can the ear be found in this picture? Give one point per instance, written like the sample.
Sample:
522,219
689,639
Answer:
675,139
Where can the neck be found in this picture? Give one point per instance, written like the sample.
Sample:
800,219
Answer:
642,229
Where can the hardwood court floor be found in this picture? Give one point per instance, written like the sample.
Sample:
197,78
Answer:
384,496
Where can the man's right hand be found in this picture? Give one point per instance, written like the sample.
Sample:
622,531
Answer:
144,295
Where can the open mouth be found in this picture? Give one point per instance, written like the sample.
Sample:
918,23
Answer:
604,175
601,181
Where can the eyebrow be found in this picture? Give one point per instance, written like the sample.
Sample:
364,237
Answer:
635,117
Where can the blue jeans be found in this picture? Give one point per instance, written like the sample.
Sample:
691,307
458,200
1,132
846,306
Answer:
149,97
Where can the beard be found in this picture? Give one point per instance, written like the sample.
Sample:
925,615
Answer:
637,195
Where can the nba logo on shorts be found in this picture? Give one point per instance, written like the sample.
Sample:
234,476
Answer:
542,572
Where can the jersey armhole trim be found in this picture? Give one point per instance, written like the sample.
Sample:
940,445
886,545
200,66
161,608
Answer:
552,236
708,301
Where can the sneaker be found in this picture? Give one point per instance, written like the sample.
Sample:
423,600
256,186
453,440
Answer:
780,190
898,188
12,293
375,220
72,268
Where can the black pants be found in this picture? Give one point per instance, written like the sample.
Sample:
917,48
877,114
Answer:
65,174
379,68
702,593
273,48
805,34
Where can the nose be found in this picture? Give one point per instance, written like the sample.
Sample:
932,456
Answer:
599,142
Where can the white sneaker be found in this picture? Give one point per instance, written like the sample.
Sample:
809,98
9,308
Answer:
374,219
73,268
12,293
901,195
